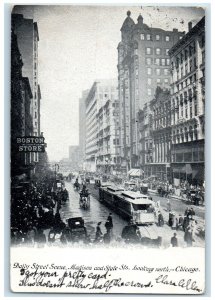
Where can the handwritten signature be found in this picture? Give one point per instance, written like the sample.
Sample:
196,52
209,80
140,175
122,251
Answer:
187,284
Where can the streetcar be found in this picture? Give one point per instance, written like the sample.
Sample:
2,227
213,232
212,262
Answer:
130,205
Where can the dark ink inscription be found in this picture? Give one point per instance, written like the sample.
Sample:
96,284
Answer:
187,284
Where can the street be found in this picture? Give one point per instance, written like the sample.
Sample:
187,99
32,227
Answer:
98,212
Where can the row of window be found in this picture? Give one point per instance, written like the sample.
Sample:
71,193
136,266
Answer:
158,51
158,71
186,82
157,37
158,61
158,81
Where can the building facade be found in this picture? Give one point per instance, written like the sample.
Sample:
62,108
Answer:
102,127
27,34
82,128
145,139
143,64
108,133
21,119
188,105
161,136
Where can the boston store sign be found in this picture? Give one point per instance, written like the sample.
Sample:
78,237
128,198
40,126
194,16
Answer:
31,144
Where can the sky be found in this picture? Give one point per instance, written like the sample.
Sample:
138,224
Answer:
77,45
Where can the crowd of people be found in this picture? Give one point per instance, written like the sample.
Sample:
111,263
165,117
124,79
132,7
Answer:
36,219
35,208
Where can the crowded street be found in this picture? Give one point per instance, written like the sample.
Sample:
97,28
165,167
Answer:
116,159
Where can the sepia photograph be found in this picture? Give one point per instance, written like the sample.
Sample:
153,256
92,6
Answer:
107,124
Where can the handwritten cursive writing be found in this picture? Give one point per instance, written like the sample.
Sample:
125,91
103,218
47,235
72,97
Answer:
187,284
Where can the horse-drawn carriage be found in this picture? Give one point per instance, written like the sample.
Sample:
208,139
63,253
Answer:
84,200
77,186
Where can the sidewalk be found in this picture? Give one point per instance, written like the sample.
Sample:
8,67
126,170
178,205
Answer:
178,198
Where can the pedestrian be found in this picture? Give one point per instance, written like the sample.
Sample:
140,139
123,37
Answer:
109,224
180,222
168,205
174,221
191,212
188,238
186,222
160,219
99,234
174,240
187,211
170,221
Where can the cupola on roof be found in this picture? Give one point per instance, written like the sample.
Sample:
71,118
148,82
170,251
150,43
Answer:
128,23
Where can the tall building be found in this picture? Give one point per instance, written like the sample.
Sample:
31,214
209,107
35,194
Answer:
145,138
101,127
188,104
26,31
143,64
21,119
82,127
161,136
108,133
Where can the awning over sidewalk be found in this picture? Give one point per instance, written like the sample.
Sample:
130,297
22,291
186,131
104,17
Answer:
135,172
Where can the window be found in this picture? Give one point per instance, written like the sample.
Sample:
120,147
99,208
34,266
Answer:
142,36
148,37
148,50
166,71
158,71
190,50
149,91
163,62
149,71
167,51
167,38
35,114
157,37
186,69
135,51
180,37
148,61
158,80
136,71
157,61
191,65
149,81
168,61
166,80
158,51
